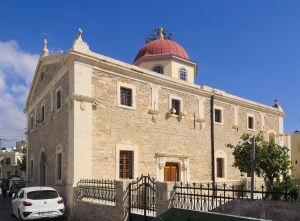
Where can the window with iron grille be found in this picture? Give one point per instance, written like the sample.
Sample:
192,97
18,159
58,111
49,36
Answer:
43,113
158,69
220,168
218,116
126,164
250,122
59,164
176,106
7,161
183,74
31,169
58,99
126,96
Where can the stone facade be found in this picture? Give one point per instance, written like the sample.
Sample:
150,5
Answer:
84,137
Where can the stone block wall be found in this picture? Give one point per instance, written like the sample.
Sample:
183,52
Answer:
90,210
118,125
262,209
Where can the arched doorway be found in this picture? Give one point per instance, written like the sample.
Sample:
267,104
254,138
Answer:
43,169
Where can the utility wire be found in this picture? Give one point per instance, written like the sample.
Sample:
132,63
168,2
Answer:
12,131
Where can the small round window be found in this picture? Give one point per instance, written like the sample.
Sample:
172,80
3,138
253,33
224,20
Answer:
183,74
159,69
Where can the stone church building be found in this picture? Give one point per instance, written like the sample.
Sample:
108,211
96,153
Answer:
92,116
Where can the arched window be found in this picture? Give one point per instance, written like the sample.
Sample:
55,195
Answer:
183,74
159,69
271,137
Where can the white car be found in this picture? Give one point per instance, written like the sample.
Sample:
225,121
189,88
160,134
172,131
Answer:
42,202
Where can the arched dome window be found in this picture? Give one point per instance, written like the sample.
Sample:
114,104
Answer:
183,74
158,69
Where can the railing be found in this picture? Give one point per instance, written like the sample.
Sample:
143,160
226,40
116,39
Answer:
142,196
207,197
102,190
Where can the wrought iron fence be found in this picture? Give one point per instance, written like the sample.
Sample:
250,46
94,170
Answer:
207,197
103,190
142,195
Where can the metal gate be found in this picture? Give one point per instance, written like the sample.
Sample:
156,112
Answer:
142,193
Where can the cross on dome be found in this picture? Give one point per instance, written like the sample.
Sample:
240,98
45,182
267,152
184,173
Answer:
160,35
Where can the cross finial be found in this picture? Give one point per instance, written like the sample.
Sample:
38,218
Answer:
45,51
79,33
160,35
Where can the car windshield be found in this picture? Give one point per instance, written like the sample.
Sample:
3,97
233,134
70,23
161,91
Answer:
42,194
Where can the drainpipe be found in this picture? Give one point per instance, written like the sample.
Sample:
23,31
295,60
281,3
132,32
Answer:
212,120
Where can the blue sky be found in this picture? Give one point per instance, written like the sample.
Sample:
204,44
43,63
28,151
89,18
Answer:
247,48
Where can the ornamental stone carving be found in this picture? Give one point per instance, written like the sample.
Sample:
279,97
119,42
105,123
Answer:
82,105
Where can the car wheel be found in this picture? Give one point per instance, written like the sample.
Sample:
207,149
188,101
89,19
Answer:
20,217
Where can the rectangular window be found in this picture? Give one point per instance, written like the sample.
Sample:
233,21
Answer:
250,122
218,116
31,169
7,161
58,99
176,106
8,174
59,164
43,113
126,165
220,168
31,123
126,96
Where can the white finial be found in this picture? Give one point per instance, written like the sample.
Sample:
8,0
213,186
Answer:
45,51
79,33
160,35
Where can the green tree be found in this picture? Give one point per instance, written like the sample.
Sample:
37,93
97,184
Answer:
271,160
154,35
22,163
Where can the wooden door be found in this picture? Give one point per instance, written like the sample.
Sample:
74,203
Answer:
171,172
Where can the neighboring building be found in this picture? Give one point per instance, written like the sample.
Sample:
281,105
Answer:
20,145
91,116
295,154
9,163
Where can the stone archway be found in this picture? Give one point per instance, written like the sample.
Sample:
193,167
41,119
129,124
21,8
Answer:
43,169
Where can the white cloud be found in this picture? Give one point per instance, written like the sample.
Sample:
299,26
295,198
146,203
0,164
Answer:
17,68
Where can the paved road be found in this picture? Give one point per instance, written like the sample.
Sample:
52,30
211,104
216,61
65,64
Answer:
5,210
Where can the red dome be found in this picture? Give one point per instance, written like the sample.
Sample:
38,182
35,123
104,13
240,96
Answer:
161,47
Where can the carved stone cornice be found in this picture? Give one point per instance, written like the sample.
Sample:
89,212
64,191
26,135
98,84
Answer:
164,154
151,111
